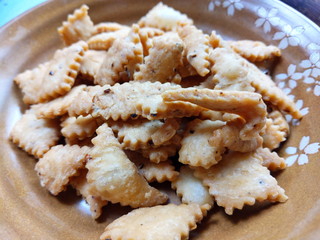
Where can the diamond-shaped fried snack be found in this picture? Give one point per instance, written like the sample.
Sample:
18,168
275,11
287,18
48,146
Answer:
271,160
155,223
276,131
59,164
114,177
197,48
82,186
134,99
195,148
246,104
80,127
164,17
59,106
240,179
78,26
103,41
165,56
54,78
239,74
191,189
254,51
122,59
34,135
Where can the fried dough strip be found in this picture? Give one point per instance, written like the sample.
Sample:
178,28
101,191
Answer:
254,51
246,104
155,223
271,160
103,41
165,56
109,27
114,178
54,78
78,26
197,48
134,99
240,179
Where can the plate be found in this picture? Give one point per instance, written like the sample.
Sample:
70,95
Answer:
27,211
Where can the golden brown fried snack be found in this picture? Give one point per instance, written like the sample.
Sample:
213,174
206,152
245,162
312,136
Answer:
91,62
114,178
155,223
240,179
271,160
54,78
35,136
59,164
78,26
108,27
103,41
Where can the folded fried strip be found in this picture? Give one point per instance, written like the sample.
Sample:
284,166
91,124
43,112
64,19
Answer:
239,74
191,189
79,127
197,48
54,78
114,178
164,17
35,136
240,179
59,164
271,160
195,148
134,99
246,104
122,57
165,56
59,106
155,223
78,26
82,186
254,51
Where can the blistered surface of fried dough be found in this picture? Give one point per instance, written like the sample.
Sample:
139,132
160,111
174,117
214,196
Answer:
91,62
276,131
271,160
164,17
104,40
230,71
59,106
166,131
255,51
33,135
240,179
155,223
84,104
109,27
197,48
195,148
191,189
59,164
164,58
246,104
136,134
79,127
122,56
53,78
139,99
228,137
160,154
78,26
239,74
114,177
82,186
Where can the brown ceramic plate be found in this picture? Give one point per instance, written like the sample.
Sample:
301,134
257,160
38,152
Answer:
28,211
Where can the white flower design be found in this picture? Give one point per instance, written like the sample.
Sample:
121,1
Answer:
267,19
313,47
300,154
289,36
303,110
288,81
232,5
213,4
